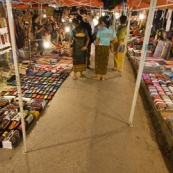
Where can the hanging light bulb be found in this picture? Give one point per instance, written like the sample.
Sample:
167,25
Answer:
117,15
67,29
95,21
103,13
63,20
141,16
46,44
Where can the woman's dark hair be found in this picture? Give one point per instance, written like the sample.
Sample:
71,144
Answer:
100,19
106,20
35,16
75,21
79,17
123,19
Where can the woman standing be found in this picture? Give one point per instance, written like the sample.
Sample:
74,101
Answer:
37,31
80,39
104,36
119,46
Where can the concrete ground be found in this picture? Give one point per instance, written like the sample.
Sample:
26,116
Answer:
84,130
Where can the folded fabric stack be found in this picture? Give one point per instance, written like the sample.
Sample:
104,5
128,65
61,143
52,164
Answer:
151,67
130,51
137,45
137,52
161,90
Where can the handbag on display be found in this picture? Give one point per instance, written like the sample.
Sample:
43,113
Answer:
11,140
2,137
4,124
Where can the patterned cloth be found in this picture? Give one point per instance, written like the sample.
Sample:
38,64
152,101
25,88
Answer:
79,64
79,55
118,56
166,50
101,59
159,48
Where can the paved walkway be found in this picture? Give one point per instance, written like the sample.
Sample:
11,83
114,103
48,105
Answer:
84,130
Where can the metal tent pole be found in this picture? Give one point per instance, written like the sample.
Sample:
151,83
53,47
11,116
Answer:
128,31
11,24
114,19
41,13
30,52
142,59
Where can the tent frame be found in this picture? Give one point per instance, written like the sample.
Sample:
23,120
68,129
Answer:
19,92
142,59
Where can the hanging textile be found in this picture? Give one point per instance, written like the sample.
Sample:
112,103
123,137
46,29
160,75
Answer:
168,17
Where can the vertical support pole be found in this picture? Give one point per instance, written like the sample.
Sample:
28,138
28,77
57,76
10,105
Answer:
11,24
38,8
90,12
114,19
128,31
29,52
143,55
41,15
100,12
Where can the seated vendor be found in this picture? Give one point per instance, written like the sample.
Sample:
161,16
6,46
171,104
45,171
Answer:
135,31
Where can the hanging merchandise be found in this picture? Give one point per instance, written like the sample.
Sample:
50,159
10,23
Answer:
163,18
4,36
110,4
168,17
2,10
49,11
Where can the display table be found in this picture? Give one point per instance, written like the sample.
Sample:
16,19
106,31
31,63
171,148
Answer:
162,116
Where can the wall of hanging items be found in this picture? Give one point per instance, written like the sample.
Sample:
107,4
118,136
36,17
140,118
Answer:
5,45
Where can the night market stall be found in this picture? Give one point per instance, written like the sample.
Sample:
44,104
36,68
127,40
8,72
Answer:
30,81
153,63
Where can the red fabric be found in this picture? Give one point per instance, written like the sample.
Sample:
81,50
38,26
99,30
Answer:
135,32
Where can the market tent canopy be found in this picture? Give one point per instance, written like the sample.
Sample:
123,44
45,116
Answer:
137,4
92,3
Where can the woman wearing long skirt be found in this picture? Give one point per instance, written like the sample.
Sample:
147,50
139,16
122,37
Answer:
104,36
80,39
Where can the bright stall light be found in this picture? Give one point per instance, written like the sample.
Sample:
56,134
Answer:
141,16
67,29
46,44
70,20
117,15
44,15
63,20
97,17
103,13
95,21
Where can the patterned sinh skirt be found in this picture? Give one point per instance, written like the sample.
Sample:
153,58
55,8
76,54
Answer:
79,64
101,59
